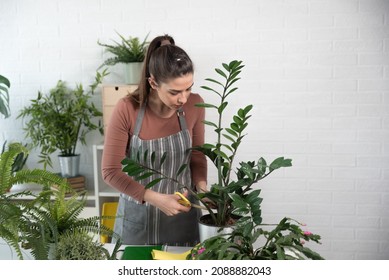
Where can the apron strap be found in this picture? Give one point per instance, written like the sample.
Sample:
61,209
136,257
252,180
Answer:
181,118
139,119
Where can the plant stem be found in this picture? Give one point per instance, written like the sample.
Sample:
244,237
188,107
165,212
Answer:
222,206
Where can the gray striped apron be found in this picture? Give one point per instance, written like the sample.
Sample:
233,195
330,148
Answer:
143,223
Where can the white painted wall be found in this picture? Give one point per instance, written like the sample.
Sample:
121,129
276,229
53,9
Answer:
317,72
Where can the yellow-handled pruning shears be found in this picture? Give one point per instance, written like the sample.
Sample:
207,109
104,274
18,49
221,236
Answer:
185,202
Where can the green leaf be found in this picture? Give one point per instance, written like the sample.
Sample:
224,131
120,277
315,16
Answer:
238,120
238,201
220,72
248,109
228,147
235,127
4,89
231,91
210,123
181,169
256,215
144,176
154,182
214,81
222,154
280,253
234,75
152,158
125,161
236,65
208,146
229,137
210,89
252,197
235,145
230,83
232,132
222,107
133,170
206,105
262,165
280,162
145,154
138,156
226,66
4,80
163,158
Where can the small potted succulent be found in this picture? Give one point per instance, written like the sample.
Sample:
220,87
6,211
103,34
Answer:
130,52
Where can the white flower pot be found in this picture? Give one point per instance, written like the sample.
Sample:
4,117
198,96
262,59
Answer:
207,231
132,72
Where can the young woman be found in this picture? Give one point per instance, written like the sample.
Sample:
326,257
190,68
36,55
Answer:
161,117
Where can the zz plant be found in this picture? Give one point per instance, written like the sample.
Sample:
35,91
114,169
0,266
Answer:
230,197
234,193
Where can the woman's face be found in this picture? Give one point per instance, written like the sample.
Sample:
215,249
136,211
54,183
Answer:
175,93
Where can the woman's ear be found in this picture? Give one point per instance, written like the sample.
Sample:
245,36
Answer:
152,82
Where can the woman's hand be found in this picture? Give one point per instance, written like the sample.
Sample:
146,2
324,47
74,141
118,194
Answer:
167,203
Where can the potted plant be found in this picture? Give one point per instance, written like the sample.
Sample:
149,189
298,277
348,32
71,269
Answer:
226,194
130,52
4,97
12,206
284,241
61,119
37,223
233,195
55,214
79,245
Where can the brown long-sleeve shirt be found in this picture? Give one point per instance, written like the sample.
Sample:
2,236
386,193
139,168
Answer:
121,128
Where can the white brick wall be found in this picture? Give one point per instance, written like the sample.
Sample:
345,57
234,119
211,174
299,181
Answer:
317,72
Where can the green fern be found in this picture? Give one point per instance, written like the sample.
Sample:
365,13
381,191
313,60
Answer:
12,208
53,215
38,223
128,50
